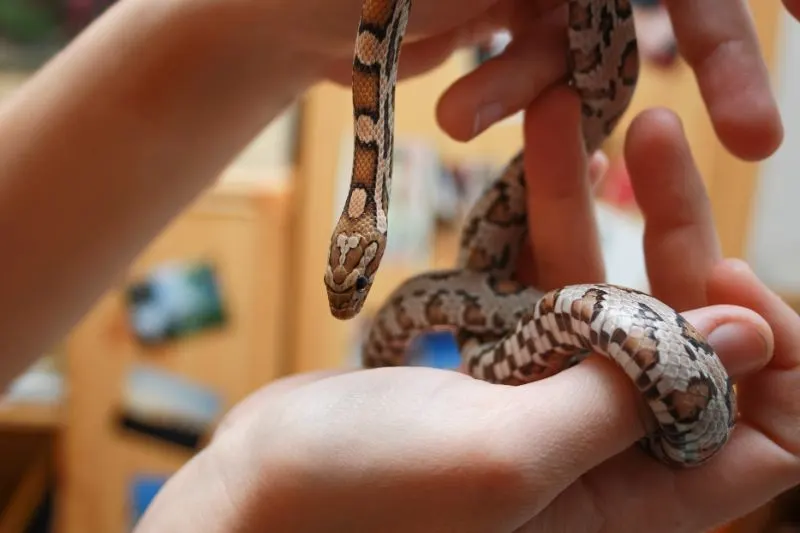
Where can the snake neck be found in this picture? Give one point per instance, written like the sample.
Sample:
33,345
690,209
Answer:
359,239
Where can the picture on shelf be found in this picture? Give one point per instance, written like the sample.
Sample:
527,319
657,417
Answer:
167,407
173,301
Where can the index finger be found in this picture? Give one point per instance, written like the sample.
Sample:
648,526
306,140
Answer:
717,38
562,227
680,241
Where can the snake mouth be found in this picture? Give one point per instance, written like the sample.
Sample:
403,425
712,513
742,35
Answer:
342,313
342,305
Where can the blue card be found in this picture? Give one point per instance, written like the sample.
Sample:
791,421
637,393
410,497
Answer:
142,491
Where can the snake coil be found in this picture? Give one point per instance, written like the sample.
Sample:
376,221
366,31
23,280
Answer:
509,333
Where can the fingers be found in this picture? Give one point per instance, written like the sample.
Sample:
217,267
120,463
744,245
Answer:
746,474
769,400
562,226
503,85
741,338
528,273
733,282
680,241
418,58
424,54
568,424
718,40
762,458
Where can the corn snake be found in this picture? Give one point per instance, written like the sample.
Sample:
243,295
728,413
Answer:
509,333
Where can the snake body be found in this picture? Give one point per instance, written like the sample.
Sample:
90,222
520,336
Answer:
509,333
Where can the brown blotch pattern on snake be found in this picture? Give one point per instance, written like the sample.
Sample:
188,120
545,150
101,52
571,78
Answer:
516,335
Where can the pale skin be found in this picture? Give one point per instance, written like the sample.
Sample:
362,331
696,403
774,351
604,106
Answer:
413,449
131,137
114,137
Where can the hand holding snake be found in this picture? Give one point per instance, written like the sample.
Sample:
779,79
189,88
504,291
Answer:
509,333
716,39
412,449
418,449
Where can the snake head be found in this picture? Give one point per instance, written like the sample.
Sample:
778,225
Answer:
352,263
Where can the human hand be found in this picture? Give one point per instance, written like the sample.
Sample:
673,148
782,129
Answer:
418,449
686,270
715,37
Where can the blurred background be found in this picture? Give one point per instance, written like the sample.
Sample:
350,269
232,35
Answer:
230,296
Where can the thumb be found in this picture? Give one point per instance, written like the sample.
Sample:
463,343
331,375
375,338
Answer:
561,427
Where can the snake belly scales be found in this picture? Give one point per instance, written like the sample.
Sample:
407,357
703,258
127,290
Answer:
509,333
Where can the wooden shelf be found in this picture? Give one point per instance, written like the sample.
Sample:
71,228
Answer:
25,480
30,416
243,228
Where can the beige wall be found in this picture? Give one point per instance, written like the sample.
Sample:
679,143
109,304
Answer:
774,239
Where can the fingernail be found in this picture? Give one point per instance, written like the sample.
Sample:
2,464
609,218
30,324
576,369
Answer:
486,116
742,348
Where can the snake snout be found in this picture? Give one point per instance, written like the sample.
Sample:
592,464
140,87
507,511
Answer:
343,305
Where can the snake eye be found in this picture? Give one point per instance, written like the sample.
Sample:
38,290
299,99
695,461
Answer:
361,283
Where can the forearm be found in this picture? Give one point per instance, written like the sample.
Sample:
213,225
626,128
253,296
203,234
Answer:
110,141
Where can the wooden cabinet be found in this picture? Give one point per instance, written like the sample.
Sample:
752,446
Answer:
242,231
